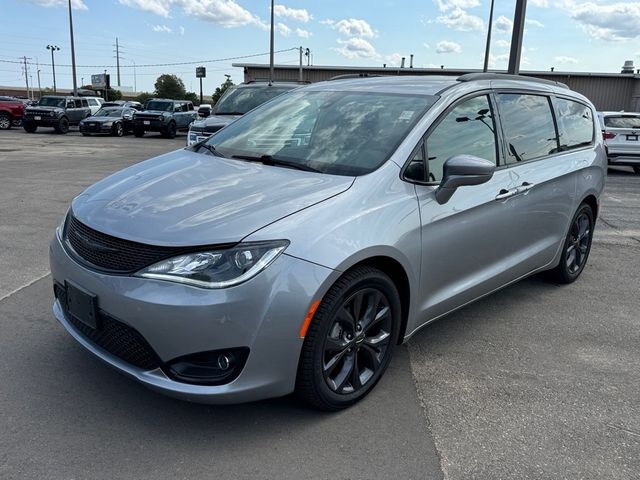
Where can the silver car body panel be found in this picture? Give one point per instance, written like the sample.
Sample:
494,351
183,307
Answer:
451,254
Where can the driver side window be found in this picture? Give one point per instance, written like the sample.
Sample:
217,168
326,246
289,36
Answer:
467,129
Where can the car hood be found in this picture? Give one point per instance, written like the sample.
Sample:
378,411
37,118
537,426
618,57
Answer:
186,199
101,119
215,121
151,112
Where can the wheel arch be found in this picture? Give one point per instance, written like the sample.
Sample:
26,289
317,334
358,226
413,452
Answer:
592,201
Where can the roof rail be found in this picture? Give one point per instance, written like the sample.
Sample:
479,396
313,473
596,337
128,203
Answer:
354,75
469,77
275,80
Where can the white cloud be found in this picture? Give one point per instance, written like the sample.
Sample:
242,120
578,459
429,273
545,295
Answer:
534,23
301,15
328,21
282,29
426,45
394,60
503,59
561,59
503,24
75,4
614,22
181,30
540,3
158,7
356,48
353,27
460,20
161,29
503,43
444,5
303,33
446,46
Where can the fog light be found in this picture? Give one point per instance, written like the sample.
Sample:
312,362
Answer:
208,368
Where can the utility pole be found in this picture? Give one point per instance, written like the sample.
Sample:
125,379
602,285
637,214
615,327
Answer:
39,87
300,72
53,48
118,60
271,48
516,37
73,53
135,87
486,52
26,73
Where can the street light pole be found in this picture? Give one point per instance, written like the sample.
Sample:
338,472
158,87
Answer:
53,48
271,48
486,52
73,53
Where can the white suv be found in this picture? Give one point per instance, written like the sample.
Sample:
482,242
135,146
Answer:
94,104
621,133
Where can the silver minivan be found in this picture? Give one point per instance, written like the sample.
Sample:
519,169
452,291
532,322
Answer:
293,250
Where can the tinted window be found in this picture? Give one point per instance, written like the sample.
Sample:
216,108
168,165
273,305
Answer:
467,129
84,103
528,126
575,124
239,101
161,106
52,102
622,122
343,133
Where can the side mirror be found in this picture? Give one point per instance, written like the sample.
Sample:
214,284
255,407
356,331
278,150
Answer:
461,170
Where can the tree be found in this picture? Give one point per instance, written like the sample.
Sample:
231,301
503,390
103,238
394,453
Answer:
220,90
193,97
170,86
114,94
143,97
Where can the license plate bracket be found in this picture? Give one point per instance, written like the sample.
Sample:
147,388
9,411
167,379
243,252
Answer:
82,305
37,117
146,122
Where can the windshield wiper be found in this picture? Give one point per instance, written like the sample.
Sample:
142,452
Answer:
275,161
211,149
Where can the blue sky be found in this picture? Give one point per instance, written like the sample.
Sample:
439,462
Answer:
570,35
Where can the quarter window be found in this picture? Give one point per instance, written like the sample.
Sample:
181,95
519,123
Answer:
528,126
575,124
467,129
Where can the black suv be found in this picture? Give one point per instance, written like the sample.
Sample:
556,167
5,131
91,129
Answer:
56,112
164,116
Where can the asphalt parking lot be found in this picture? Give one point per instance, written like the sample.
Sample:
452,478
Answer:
536,381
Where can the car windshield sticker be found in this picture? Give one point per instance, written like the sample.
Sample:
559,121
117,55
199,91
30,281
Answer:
406,115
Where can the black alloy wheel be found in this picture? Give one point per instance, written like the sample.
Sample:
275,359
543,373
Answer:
350,341
63,125
117,130
171,130
576,247
5,121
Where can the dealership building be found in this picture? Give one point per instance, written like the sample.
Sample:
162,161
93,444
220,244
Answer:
607,91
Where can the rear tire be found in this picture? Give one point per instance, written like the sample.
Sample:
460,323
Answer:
29,127
576,248
62,126
350,340
138,132
5,121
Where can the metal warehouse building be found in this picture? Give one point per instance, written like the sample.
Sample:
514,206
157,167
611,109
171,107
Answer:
607,91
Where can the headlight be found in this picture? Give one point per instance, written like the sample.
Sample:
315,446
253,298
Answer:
108,124
217,268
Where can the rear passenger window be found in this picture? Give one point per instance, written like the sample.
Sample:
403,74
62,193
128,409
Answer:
78,103
84,103
622,122
528,126
467,129
575,124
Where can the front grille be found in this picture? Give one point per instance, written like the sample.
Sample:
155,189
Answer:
213,128
115,337
111,253
146,117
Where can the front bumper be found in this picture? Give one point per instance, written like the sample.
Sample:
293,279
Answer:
150,125
263,314
45,121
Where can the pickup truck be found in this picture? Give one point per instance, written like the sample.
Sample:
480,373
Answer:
11,113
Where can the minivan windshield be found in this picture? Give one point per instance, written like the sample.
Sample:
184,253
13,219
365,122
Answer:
52,102
160,106
240,100
340,133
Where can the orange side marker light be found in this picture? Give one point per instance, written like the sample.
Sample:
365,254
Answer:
308,318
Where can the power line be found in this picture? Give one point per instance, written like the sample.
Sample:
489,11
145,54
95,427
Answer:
165,64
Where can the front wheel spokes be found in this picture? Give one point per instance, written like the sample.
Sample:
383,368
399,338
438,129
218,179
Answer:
331,365
341,380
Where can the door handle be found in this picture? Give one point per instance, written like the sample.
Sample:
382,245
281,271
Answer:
504,194
525,187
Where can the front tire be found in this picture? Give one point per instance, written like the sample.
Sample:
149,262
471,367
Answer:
576,248
117,130
171,131
350,340
62,126
5,121
29,127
